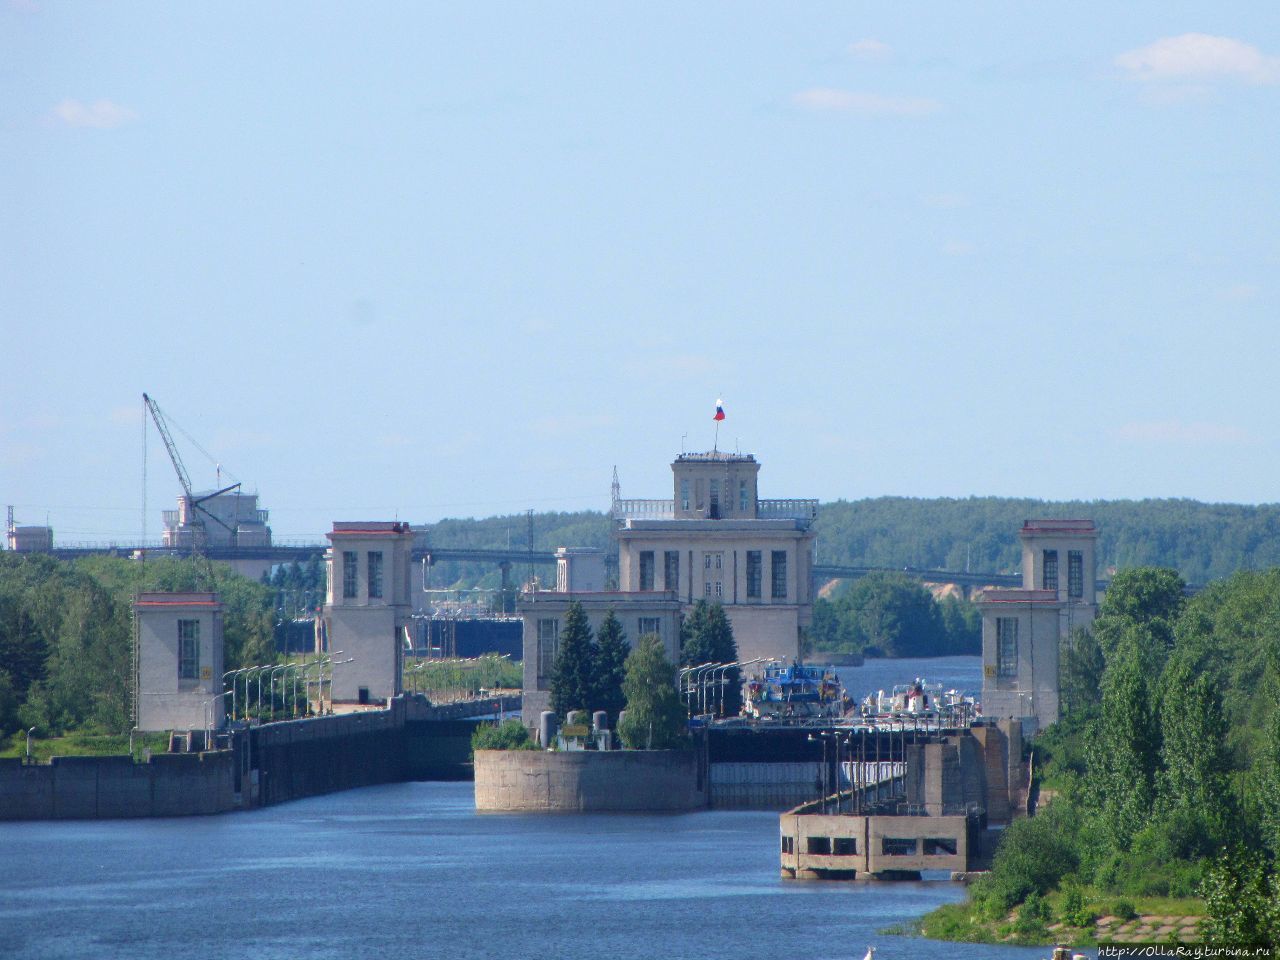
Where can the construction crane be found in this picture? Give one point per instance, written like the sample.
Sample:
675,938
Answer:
200,533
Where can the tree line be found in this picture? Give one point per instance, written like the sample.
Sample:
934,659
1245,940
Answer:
892,615
66,635
1165,766
1202,541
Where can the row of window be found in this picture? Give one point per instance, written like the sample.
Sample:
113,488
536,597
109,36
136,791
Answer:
188,649
1075,573
889,846
548,632
713,577
350,572
744,498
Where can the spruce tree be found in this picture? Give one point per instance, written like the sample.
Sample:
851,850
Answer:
655,717
708,638
610,667
573,672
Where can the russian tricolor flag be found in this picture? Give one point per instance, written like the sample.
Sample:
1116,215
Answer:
719,410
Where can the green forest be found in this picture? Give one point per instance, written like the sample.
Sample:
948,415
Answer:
1162,779
1202,541
66,635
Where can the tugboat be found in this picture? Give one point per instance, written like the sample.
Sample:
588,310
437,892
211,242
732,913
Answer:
794,691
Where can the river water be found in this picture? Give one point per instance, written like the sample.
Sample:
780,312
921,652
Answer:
411,870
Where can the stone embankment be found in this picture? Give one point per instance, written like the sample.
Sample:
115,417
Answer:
585,781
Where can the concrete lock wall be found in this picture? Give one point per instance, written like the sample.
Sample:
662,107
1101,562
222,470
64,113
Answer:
816,845
589,781
764,786
168,785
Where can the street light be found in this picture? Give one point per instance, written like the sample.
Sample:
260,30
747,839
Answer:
29,733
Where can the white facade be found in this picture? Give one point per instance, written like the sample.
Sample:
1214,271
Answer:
367,608
1022,630
179,657
717,541
229,519
544,612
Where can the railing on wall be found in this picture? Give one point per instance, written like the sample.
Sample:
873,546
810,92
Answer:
787,509
644,509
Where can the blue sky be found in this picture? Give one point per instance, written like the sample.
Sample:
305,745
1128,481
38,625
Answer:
426,260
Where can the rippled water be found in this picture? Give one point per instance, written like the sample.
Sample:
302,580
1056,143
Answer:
411,870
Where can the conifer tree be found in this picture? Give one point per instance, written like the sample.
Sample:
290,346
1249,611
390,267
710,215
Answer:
707,637
573,671
610,667
655,717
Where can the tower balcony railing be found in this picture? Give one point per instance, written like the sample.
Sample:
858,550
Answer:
787,509
644,509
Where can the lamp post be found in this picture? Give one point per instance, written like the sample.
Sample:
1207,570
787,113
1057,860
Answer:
29,733
685,678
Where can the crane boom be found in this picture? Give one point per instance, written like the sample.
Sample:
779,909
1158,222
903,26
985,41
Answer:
162,426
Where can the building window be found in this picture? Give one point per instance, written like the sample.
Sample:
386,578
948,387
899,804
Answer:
548,644
718,586
375,574
684,494
788,844
646,569
940,846
1050,578
1075,574
845,847
706,589
348,574
755,574
818,846
650,625
898,846
671,570
779,560
188,649
742,496
715,499
1007,647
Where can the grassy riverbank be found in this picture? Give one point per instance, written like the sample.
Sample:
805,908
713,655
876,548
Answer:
84,745
1080,918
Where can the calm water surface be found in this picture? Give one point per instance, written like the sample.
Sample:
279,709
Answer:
411,870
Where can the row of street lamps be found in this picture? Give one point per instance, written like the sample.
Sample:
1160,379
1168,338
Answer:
700,684
301,677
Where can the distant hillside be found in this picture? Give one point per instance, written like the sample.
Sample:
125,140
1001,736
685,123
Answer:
1202,541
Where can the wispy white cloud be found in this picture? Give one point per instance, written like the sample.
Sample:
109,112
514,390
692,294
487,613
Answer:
868,49
678,366
1178,433
1241,292
128,416
1200,58
567,424
946,200
226,438
830,99
99,115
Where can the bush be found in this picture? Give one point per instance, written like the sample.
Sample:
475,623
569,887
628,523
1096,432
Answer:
1033,917
1034,855
508,735
1075,910
1124,910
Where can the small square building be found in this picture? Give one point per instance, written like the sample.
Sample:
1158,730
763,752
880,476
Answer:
1023,629
178,647
367,608
580,578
